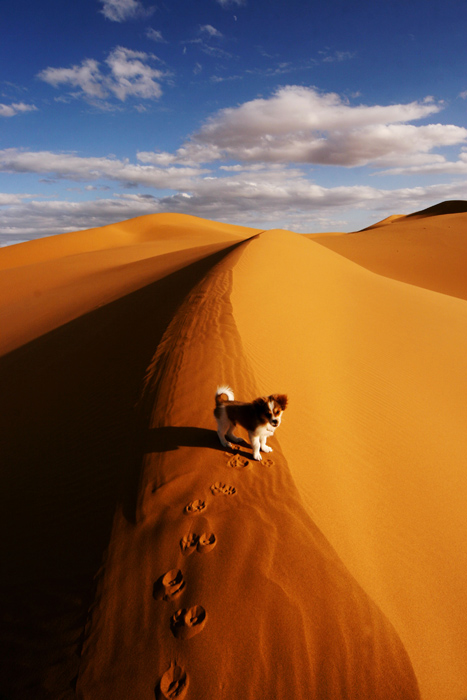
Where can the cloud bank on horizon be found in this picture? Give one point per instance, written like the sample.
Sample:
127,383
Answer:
243,115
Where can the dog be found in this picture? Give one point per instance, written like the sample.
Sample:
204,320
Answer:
260,418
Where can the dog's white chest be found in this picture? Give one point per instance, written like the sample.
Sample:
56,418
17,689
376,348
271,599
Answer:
264,430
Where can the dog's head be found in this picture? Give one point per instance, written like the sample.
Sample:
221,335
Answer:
270,408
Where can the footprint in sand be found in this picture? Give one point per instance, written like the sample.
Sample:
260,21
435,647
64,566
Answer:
238,462
222,489
174,683
206,542
189,543
169,585
185,623
267,462
195,507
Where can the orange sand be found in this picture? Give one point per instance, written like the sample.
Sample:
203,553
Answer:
339,564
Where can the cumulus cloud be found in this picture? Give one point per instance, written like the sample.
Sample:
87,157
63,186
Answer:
86,76
302,125
122,10
129,74
16,108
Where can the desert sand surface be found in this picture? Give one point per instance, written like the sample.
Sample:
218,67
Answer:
140,559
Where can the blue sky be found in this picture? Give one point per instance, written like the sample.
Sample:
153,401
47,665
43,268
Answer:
281,114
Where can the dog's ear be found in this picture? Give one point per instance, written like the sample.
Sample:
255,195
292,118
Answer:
282,400
260,405
261,401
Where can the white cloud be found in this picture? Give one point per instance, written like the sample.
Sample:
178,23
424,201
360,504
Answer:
213,51
337,56
190,154
302,125
72,167
212,31
122,10
87,77
155,35
7,199
263,196
16,108
130,74
250,147
228,3
433,166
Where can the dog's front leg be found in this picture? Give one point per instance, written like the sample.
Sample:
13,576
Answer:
255,446
264,447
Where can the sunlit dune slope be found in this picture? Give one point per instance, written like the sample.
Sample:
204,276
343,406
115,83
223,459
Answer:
427,249
375,435
50,281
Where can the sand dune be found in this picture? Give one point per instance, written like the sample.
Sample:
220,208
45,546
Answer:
97,267
427,249
337,567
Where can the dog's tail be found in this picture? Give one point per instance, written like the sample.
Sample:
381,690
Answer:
224,393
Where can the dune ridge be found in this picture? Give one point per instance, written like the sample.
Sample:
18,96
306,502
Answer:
337,566
312,632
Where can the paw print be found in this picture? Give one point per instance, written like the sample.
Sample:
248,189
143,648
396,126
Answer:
195,507
220,489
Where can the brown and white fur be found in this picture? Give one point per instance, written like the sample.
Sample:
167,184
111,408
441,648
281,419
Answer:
260,418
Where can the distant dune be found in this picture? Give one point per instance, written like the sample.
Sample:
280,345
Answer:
140,559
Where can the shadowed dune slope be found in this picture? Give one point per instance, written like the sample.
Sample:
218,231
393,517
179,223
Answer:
454,206
427,249
284,618
70,441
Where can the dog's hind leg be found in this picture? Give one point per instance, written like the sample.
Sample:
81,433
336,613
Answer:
223,429
231,437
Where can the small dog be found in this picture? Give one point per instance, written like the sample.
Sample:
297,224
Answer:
260,418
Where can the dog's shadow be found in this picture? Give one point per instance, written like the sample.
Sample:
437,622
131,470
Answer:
171,438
